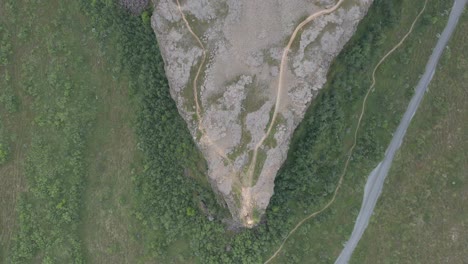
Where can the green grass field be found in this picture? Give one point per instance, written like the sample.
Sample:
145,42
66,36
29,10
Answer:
422,215
108,225
66,121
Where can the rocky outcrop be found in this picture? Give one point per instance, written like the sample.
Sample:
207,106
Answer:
238,116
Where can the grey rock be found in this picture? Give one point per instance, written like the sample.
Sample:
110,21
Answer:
238,87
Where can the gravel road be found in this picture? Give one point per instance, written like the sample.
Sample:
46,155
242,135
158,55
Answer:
377,177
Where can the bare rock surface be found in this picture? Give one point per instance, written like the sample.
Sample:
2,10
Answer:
237,88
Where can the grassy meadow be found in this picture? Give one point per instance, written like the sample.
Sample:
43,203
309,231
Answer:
422,215
66,128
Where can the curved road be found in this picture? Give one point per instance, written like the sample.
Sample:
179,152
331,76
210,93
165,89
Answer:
377,177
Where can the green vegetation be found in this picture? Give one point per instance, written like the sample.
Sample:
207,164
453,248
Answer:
188,92
261,158
3,153
58,89
52,73
320,240
421,216
14,130
163,192
246,137
251,103
55,80
108,228
7,98
99,192
4,149
270,141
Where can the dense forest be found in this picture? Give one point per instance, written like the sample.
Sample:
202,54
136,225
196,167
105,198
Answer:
175,206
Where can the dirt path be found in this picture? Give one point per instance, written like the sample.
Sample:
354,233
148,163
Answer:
246,192
284,61
204,136
195,80
350,152
247,205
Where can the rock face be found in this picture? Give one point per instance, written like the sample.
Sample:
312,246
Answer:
239,87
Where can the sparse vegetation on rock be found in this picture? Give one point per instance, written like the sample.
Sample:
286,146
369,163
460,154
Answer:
248,62
135,6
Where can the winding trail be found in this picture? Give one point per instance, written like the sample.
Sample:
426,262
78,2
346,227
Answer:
246,192
351,150
376,179
284,61
195,80
204,136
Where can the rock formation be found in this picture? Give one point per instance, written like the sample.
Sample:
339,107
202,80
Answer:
224,61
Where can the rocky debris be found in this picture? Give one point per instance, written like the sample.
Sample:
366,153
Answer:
237,90
135,6
222,116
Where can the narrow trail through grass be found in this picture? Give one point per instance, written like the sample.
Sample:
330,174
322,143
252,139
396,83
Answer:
350,152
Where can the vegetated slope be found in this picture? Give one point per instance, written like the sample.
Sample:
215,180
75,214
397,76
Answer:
377,177
242,74
174,207
356,133
170,200
52,136
14,133
320,239
108,227
422,216
57,85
